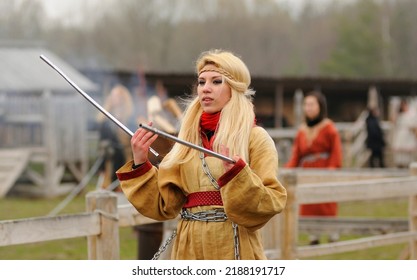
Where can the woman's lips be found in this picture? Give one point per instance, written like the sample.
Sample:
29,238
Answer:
207,100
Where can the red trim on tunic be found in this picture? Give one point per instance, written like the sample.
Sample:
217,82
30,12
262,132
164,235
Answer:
229,175
135,172
203,199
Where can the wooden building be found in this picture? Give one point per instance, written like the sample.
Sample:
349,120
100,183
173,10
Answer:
278,106
275,97
42,123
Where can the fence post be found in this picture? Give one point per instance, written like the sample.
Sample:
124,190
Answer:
413,215
104,246
289,229
49,142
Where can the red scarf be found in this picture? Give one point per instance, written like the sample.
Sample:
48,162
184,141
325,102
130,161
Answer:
208,122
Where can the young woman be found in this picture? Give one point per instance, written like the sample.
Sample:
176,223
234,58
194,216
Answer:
222,205
317,145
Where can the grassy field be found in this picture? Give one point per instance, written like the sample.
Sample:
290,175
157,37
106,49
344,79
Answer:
394,208
76,248
67,249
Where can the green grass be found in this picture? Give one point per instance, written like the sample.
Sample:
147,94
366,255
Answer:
76,248
385,208
66,249
393,208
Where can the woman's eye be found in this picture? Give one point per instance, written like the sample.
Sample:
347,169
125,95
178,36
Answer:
201,83
217,82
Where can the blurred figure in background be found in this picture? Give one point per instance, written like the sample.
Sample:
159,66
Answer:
317,145
375,140
140,98
404,142
163,111
114,142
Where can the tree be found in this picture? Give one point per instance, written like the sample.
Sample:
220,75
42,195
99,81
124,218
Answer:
359,48
404,38
21,21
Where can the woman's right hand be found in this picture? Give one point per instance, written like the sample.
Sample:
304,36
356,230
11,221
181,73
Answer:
140,142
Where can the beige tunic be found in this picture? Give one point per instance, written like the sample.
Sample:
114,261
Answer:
251,196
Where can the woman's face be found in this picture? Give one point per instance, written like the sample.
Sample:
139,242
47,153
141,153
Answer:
311,107
213,92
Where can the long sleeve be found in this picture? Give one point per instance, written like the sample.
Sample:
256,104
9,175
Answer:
255,195
153,198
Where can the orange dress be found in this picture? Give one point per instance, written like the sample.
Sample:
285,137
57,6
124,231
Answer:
317,147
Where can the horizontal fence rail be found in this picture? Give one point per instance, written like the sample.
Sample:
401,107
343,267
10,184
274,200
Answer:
101,222
32,230
355,245
360,190
354,225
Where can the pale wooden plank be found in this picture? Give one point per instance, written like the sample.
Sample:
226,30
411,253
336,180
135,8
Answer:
104,246
308,176
412,218
356,225
271,234
11,154
14,170
346,246
357,190
31,230
35,177
129,216
356,244
289,229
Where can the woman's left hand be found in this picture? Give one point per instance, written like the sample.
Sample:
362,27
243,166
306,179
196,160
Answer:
225,152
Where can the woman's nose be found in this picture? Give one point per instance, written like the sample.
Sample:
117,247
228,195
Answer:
207,87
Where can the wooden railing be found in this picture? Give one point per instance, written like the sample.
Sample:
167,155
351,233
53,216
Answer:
103,218
100,224
342,186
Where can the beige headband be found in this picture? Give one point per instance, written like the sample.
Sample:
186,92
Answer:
213,68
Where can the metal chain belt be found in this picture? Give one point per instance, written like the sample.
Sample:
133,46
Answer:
216,215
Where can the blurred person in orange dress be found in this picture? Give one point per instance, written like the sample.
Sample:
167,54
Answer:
317,145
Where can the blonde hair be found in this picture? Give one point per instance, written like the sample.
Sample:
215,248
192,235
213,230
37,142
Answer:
119,103
236,118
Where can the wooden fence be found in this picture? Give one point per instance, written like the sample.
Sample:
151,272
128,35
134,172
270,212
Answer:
103,218
342,186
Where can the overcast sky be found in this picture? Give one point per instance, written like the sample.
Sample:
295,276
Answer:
70,8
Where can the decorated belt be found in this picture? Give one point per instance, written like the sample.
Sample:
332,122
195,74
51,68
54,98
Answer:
203,199
314,157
